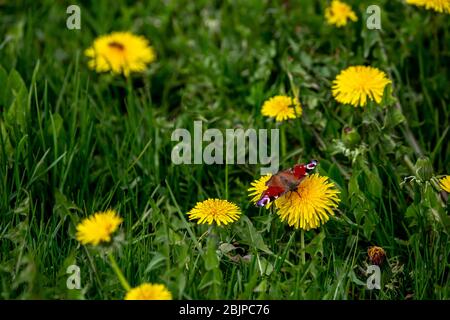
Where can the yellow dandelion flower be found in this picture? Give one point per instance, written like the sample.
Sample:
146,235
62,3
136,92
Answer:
358,84
215,210
442,6
258,187
444,183
98,228
120,52
149,291
376,255
282,108
311,205
339,13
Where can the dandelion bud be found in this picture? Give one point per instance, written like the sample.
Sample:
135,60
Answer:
350,137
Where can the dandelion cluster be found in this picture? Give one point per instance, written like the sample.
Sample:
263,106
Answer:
308,203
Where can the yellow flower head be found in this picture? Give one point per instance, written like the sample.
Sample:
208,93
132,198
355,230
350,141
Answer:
149,291
282,108
339,13
442,6
215,210
376,255
98,228
358,84
258,187
444,183
120,52
311,205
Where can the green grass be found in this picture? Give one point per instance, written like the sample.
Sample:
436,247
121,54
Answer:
74,142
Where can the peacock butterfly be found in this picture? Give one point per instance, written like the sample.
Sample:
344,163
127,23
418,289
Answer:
285,181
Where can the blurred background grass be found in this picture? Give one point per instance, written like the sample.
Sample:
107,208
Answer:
75,142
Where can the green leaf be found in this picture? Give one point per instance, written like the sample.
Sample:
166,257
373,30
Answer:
394,117
370,224
353,186
3,80
6,141
249,236
265,267
373,182
226,248
211,258
16,101
54,127
336,175
156,262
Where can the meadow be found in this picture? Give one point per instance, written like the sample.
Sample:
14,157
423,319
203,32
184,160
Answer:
75,141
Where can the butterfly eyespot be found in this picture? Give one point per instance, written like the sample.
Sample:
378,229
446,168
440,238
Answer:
264,201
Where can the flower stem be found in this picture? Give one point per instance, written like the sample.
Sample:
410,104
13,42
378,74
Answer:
302,242
118,272
283,143
226,181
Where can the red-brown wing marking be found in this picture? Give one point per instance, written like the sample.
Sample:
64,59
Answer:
277,186
299,171
273,191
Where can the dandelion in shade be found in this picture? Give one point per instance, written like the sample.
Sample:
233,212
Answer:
444,183
311,205
149,291
98,228
441,6
357,85
282,108
339,14
120,53
220,212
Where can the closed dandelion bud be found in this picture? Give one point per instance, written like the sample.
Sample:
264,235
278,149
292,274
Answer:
376,255
424,169
350,137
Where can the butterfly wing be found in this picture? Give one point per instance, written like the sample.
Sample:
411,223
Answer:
276,186
285,181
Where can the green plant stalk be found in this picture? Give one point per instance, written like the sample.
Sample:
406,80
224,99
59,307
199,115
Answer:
283,143
118,272
226,181
302,243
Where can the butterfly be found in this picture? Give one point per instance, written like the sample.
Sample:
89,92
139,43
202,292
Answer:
285,181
